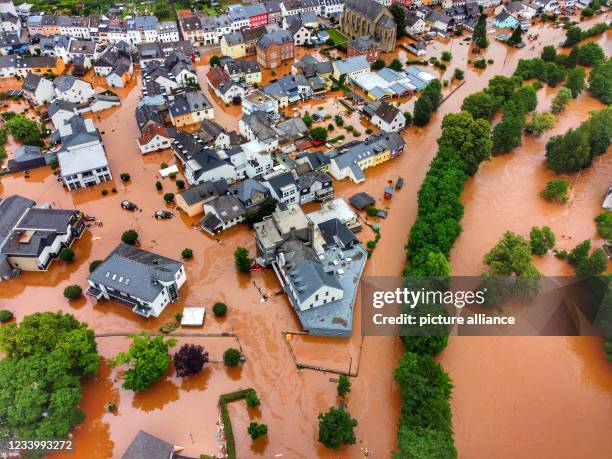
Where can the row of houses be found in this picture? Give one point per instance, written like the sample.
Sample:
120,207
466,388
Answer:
98,28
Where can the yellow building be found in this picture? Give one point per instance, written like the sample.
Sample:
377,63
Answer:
233,45
192,200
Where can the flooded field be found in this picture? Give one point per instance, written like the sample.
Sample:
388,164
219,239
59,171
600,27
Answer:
523,396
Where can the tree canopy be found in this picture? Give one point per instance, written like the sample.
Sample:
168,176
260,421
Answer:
336,428
600,81
147,360
47,354
510,256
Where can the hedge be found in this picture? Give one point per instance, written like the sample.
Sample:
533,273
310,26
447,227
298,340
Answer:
224,399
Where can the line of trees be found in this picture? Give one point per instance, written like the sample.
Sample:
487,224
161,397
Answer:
575,34
600,81
508,134
427,103
577,148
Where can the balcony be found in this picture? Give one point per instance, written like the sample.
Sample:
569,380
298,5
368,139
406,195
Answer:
324,194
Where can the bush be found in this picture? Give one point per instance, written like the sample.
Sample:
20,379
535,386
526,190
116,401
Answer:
168,197
541,240
336,428
72,292
446,56
180,184
561,100
556,190
604,225
338,120
344,385
252,400
232,357
480,64
94,264
187,254
172,175
242,260
158,186
459,74
257,430
219,309
104,192
189,360
5,316
129,237
66,254
125,177
163,166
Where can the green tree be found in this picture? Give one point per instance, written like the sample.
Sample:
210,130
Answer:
94,264
604,225
232,357
575,81
219,309
336,428
338,120
5,316
252,400
600,81
541,122
257,430
510,256
422,111
168,197
129,237
549,53
399,16
592,265
507,134
344,385
480,105
447,56
561,100
590,54
66,254
24,130
516,37
556,190
158,185
541,240
378,64
480,32
319,134
468,138
147,360
308,119
396,65
72,292
187,254
125,177
572,36
425,345
408,118
424,443
215,60
46,356
459,74
242,260
579,253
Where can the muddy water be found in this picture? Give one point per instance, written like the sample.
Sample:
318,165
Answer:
545,387
291,399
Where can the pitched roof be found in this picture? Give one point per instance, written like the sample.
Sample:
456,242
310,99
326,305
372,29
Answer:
150,131
146,446
351,64
137,272
227,208
387,112
364,44
368,8
203,191
278,37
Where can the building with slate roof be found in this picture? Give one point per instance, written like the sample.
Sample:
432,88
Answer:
142,280
318,266
274,48
31,236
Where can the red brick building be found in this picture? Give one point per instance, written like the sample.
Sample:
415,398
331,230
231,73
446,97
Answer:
274,48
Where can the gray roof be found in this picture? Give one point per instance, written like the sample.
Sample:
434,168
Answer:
364,44
192,101
146,446
82,47
227,207
368,8
279,37
65,82
135,272
309,178
246,189
209,131
27,153
261,125
294,128
239,67
361,200
234,38
351,64
203,191
31,82
280,181
18,215
337,234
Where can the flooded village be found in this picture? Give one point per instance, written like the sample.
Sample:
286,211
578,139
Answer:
512,397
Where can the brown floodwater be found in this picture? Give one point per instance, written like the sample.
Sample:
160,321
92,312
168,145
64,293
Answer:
185,412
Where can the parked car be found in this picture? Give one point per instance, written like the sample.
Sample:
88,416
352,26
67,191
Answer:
163,214
129,205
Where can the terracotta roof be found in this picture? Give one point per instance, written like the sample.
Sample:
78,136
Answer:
216,76
150,131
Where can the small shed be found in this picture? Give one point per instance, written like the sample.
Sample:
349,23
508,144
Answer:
168,170
193,317
361,200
